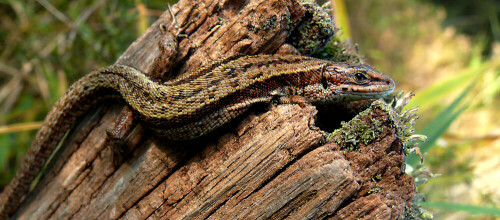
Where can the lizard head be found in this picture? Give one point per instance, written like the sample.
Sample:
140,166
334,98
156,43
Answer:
346,82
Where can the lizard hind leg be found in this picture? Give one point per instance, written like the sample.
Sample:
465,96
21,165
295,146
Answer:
123,135
122,126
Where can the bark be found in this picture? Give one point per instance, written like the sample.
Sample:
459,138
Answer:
270,163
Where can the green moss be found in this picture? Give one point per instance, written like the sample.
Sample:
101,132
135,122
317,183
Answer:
374,190
313,30
358,130
286,17
269,23
339,51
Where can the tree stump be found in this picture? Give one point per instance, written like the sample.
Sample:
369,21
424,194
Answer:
271,163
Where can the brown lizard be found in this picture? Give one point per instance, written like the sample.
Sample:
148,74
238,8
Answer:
197,103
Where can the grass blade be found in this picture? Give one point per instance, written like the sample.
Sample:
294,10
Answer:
441,122
472,209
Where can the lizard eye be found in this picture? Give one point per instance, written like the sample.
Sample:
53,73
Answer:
361,76
324,82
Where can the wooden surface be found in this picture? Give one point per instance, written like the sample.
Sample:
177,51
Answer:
272,162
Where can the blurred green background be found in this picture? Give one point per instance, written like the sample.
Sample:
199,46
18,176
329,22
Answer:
447,51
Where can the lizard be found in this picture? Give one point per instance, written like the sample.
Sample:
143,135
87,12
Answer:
197,103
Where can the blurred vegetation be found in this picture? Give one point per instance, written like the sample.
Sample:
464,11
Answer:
45,45
473,18
447,51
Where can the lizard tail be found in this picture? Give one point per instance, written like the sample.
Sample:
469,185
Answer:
73,104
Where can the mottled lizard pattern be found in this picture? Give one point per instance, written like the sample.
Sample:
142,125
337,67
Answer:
193,105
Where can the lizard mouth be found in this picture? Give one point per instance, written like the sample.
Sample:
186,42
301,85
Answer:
375,87
366,94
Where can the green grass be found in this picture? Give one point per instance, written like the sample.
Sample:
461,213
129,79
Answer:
46,45
471,209
438,126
